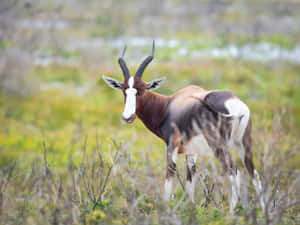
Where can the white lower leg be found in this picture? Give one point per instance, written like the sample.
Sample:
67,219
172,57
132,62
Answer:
259,189
235,190
169,180
168,189
234,199
238,180
190,189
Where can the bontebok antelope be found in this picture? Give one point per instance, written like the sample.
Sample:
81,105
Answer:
193,122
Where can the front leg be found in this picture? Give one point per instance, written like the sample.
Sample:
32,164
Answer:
190,175
171,170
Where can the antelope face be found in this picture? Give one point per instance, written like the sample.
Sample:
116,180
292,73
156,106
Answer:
133,87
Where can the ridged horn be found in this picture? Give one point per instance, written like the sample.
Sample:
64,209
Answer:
142,67
123,64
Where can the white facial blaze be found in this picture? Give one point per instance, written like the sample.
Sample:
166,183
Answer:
130,104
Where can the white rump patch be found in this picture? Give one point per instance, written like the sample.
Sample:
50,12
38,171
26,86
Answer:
130,104
241,114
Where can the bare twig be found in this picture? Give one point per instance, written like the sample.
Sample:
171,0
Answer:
180,180
47,171
99,198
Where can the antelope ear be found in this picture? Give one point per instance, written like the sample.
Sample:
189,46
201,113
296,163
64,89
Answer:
154,84
112,82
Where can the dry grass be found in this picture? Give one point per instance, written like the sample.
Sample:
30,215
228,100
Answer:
110,186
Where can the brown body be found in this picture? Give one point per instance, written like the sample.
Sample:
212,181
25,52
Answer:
193,121
197,122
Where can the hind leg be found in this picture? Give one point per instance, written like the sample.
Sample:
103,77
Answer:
235,179
245,148
229,167
190,175
254,175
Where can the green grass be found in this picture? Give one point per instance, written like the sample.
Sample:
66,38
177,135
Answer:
64,119
58,73
59,115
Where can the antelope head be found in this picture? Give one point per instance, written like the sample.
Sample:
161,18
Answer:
133,87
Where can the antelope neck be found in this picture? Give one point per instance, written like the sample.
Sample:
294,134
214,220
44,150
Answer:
152,110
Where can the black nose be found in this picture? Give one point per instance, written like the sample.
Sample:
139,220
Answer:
127,119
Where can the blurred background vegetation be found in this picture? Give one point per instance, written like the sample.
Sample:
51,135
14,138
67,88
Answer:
52,57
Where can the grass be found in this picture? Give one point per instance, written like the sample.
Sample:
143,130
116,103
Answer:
72,122
131,194
60,114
